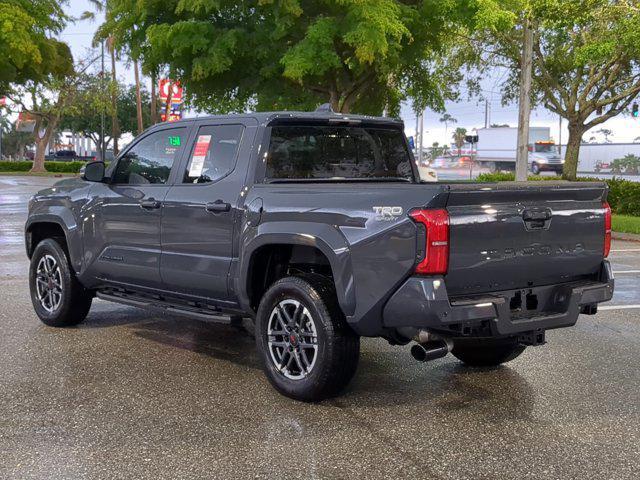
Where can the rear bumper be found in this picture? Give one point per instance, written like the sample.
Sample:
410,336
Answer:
423,303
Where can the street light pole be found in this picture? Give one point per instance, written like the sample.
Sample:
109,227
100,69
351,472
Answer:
560,135
102,145
420,142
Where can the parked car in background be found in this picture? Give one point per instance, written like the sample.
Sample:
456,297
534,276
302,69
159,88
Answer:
65,155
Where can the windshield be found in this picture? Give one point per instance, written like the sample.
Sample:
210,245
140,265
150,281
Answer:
338,152
544,147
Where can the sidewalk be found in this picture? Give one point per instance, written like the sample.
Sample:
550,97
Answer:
629,237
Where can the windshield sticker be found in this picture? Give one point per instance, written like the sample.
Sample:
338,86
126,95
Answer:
199,155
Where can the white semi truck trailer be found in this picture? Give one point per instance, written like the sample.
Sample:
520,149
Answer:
496,149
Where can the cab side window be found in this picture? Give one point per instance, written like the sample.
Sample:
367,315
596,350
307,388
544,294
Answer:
151,159
214,153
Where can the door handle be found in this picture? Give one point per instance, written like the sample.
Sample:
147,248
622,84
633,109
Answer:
218,206
150,203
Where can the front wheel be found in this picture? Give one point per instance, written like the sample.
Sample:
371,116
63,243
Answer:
535,168
58,298
486,352
308,351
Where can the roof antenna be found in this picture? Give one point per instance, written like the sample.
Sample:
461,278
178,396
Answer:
325,107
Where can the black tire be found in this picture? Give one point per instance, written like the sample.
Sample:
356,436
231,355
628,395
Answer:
486,352
535,168
74,301
334,361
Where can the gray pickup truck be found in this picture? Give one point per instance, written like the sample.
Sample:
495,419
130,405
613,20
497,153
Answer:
317,227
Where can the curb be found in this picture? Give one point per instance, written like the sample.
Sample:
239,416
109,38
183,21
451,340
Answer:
628,237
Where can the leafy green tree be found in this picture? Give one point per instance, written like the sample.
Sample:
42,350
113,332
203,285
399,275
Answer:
92,100
629,164
28,50
362,56
35,68
14,143
46,100
585,57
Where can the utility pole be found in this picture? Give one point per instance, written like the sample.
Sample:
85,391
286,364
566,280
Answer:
486,113
102,145
560,135
420,141
415,140
138,97
154,104
524,105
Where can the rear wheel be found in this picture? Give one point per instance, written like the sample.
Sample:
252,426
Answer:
308,351
486,352
58,298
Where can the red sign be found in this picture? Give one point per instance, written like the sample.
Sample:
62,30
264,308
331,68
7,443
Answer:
199,155
166,87
202,145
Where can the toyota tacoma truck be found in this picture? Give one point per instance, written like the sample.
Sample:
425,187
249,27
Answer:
316,226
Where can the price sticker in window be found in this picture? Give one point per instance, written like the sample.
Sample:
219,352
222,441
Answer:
199,155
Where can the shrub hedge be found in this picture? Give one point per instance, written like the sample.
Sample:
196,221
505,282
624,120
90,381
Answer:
25,166
624,196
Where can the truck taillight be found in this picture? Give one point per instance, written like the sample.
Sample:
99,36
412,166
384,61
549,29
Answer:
607,228
436,253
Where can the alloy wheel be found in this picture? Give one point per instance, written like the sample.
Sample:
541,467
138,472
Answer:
49,283
292,339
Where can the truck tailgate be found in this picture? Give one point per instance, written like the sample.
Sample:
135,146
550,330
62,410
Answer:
509,235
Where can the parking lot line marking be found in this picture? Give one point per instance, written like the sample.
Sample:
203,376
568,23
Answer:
618,307
625,271
625,249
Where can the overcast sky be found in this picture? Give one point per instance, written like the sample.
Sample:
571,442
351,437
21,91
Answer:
469,114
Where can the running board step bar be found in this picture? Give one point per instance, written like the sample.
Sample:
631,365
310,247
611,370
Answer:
199,313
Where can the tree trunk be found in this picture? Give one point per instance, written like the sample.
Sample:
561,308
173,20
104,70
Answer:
524,104
334,100
572,152
154,99
138,97
41,147
115,128
347,103
167,108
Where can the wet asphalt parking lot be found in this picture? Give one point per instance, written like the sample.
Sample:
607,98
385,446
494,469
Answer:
131,394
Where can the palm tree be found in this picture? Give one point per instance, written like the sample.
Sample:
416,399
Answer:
458,138
101,6
447,119
606,133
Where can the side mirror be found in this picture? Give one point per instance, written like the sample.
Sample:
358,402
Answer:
94,171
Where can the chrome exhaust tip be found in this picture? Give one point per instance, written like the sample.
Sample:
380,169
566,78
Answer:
431,350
